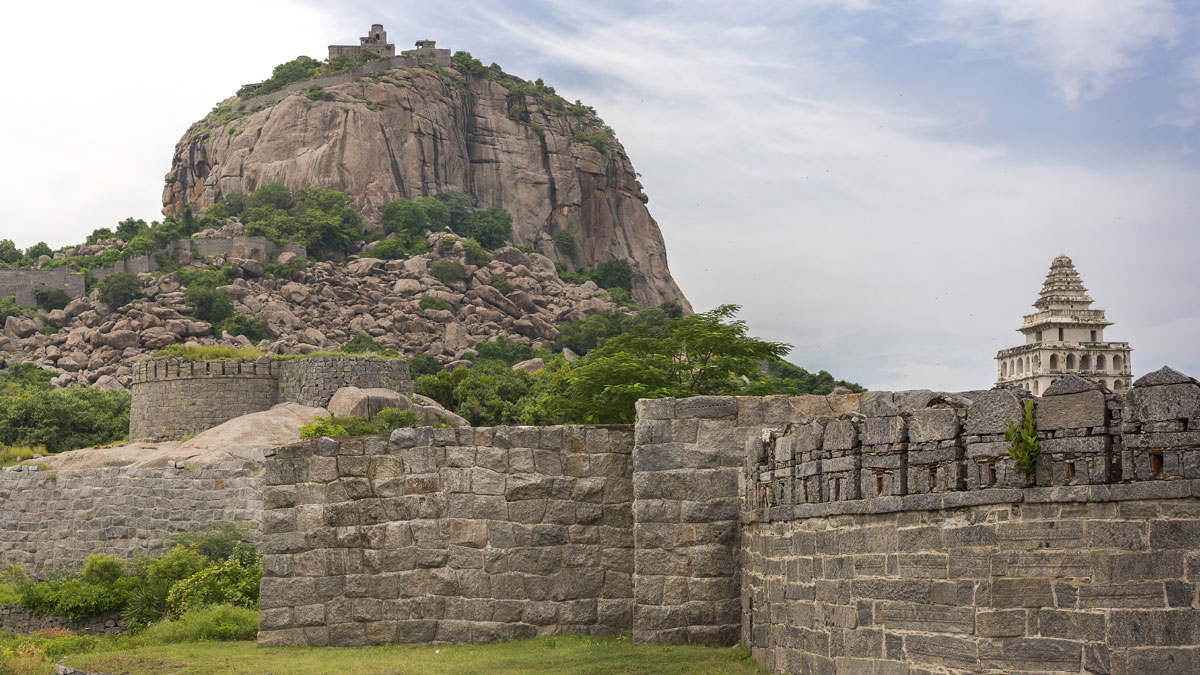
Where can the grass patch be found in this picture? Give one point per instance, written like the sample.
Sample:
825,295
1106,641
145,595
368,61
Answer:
16,454
196,353
560,655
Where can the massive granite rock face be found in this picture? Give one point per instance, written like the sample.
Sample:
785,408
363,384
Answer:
412,132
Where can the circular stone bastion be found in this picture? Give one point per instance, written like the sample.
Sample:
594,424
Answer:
173,398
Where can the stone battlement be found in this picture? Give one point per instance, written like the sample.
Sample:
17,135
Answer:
173,398
871,532
23,284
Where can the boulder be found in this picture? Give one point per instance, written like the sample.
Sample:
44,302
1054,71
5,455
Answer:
530,366
119,339
365,403
19,327
364,266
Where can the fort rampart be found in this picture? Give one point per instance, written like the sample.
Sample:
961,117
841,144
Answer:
845,534
24,283
173,398
865,533
455,535
55,519
369,68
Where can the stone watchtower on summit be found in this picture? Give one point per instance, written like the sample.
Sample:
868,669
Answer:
1064,336
375,40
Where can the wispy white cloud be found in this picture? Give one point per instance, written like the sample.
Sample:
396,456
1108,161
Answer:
854,230
1083,46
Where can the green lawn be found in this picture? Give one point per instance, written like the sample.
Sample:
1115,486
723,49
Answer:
560,655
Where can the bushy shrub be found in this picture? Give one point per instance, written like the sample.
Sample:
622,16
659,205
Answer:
321,427
448,272
209,304
118,290
255,330
475,253
197,353
138,246
9,307
100,586
365,344
500,283
388,249
318,93
219,542
430,301
612,274
227,582
51,299
500,349
564,241
216,623
423,364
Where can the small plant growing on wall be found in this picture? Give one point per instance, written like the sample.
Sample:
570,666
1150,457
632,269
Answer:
1025,447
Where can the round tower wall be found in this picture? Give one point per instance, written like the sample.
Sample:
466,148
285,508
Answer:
313,381
173,398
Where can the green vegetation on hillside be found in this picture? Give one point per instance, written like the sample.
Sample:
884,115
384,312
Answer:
33,413
653,354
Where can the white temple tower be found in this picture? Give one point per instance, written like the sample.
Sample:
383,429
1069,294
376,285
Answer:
1064,336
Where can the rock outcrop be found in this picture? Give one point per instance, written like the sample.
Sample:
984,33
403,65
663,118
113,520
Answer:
318,308
412,131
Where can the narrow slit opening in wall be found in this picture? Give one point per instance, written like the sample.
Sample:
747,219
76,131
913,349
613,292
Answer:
805,492
932,478
1156,463
878,481
991,471
837,489
1069,467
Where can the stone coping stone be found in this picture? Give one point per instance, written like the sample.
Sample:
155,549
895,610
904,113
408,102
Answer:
1145,490
1163,376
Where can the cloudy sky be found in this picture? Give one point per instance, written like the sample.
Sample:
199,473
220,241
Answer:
881,184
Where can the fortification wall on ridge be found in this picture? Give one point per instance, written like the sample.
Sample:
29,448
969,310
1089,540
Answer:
448,535
173,398
24,283
313,381
237,247
58,518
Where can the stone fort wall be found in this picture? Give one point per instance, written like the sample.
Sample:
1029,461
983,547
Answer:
173,398
55,519
880,532
23,283
449,535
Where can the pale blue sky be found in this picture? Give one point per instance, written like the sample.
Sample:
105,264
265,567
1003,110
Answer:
881,184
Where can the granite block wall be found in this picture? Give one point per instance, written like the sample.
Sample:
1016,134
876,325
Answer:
173,398
22,284
448,535
313,381
55,519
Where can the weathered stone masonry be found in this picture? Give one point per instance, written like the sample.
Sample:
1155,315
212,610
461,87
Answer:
58,518
453,535
173,398
870,533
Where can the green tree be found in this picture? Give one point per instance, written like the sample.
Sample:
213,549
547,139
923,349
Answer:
9,253
130,227
39,249
704,354
117,290
564,241
51,298
209,304
138,245
614,274
491,227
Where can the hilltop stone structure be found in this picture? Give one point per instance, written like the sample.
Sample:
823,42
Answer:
427,51
375,40
1065,336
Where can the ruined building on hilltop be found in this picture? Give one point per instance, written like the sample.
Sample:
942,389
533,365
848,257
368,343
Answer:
1064,336
375,40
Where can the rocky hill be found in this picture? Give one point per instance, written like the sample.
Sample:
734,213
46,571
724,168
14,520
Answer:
318,307
412,131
